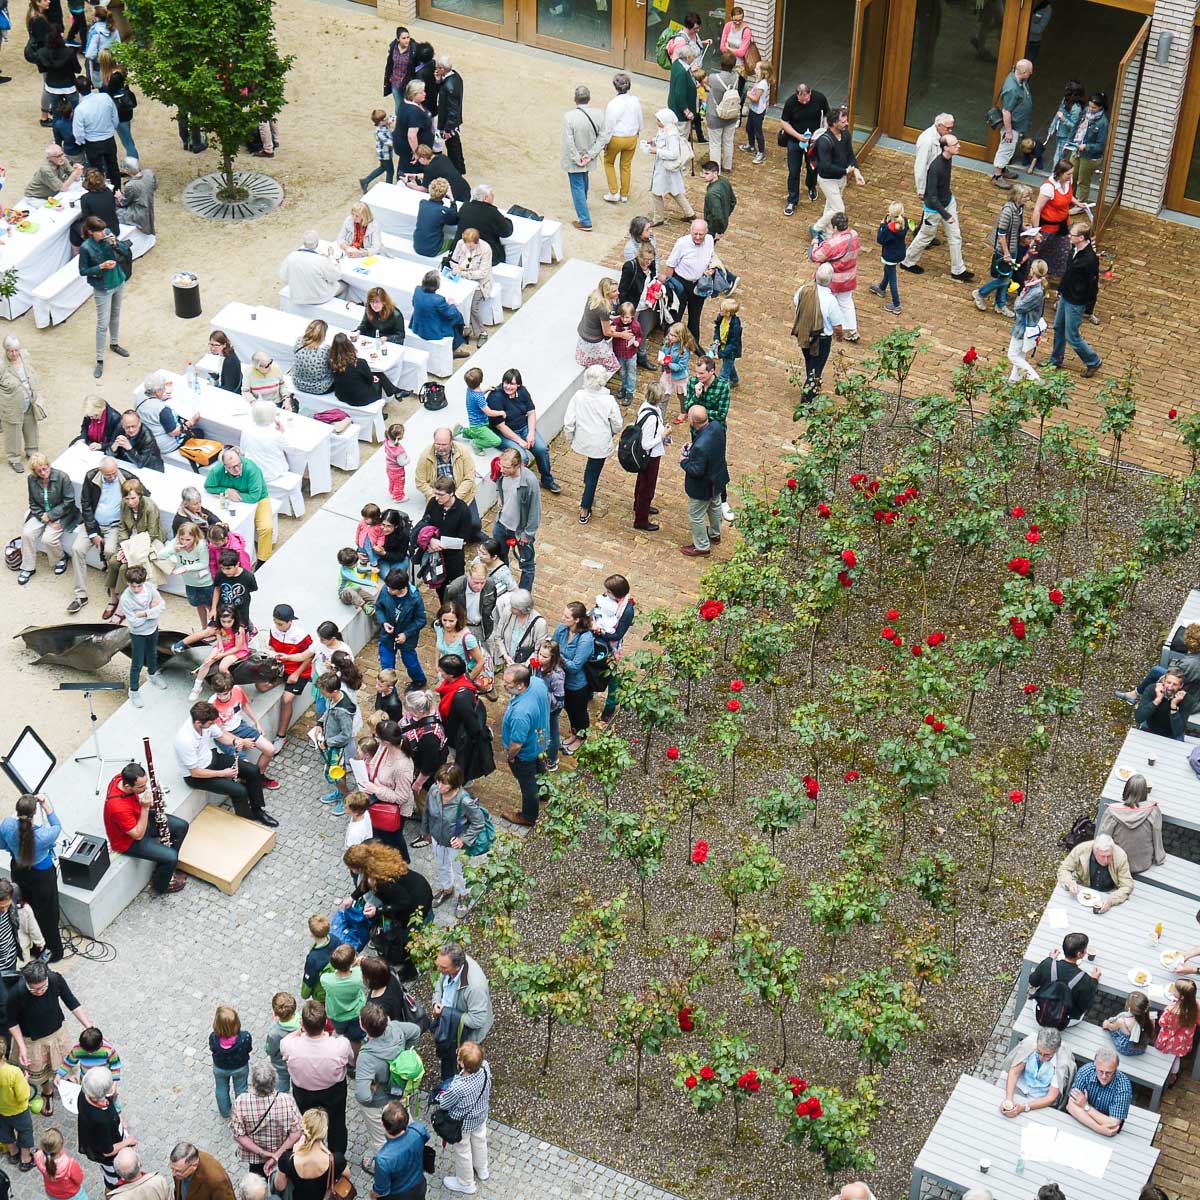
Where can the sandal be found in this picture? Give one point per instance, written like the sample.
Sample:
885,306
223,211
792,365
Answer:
585,517
60,567
420,843
47,1104
25,576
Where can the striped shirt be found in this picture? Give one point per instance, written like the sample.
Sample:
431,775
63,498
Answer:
80,1061
467,1097
9,953
268,1121
1113,1099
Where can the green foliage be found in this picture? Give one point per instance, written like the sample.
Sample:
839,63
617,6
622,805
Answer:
892,357
709,1079
213,61
561,989
839,1134
567,810
641,840
751,870
687,643
10,281
498,881
1120,407
926,959
596,930
605,756
645,689
875,1012
934,878
769,971
836,905
1169,528
644,1021
813,729
426,939
777,810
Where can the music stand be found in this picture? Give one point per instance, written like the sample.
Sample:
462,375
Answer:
87,689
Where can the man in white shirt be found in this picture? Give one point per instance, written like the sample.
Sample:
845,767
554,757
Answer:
690,258
622,123
207,766
929,146
311,277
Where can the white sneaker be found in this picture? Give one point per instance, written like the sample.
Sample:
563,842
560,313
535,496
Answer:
194,694
279,744
727,512
760,158
158,681
624,199
135,699
482,1175
612,198
452,1183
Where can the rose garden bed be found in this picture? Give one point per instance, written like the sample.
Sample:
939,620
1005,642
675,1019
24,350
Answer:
774,912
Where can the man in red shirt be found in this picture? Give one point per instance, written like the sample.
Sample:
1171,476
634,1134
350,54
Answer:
294,648
132,830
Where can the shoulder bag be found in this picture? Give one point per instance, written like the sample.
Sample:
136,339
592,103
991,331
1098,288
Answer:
483,839
385,814
339,1188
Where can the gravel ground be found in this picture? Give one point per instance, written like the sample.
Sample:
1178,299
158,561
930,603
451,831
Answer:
587,1105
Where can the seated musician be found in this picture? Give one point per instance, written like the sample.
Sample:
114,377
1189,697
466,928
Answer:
134,826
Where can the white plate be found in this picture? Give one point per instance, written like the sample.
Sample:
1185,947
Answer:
1135,977
1169,958
1088,898
1124,772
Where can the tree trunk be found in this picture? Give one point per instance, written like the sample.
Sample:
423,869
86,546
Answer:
733,777
637,1079
733,927
782,1038
937,477
737,1117
962,558
903,832
687,697
832,951
1054,743
648,734
812,651
1041,425
987,883
549,1039
687,849
227,167
642,890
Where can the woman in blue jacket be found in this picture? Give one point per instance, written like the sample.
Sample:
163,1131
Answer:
33,862
575,641
433,317
433,219
1089,146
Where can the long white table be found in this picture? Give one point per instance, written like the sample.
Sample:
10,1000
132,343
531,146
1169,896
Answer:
1172,782
395,210
38,254
224,416
165,488
401,279
252,327
971,1128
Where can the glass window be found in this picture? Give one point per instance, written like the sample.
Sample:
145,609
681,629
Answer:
870,70
585,22
481,10
953,65
661,13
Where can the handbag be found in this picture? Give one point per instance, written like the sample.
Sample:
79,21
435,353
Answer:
995,117
5,23
339,1188
1001,268
428,1159
385,814
1033,335
484,839
200,452
331,416
448,1128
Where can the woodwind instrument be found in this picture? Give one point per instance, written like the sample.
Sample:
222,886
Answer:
158,806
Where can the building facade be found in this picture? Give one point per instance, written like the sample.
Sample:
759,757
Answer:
898,63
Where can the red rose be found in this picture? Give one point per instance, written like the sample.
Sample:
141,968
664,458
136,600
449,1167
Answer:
1056,596
887,633
685,1020
911,493
844,579
935,639
873,487
850,558
823,510
1017,626
970,356
1016,511
897,640
700,851
850,776
734,706
890,518
1016,795
812,787
1172,414
814,1105
900,499
706,1073
856,481
690,1082
1030,688
930,718
893,614
939,727
710,610
1035,527
1033,537
511,542
791,485
755,1084
802,1107
673,753
879,514
736,686
917,650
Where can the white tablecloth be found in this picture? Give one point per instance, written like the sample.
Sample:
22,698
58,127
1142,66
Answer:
165,488
254,327
223,417
402,279
36,255
395,208
54,301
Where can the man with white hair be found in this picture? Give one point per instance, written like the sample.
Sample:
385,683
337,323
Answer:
856,1191
480,212
54,176
1100,865
135,1183
102,1136
137,196
311,277
1037,1072
265,381
241,479
450,110
929,147
584,136
1102,1094
157,415
1016,112
265,1121
252,1187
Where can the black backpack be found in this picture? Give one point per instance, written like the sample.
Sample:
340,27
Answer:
597,667
1082,830
433,396
1052,1001
630,452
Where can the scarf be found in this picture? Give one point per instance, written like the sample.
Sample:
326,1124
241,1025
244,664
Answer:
446,690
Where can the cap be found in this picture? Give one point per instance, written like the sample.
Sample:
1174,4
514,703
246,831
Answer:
284,612
1032,231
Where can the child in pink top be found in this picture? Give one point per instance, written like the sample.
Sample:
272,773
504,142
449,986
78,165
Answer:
368,533
396,458
62,1175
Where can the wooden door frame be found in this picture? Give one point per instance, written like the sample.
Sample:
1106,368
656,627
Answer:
1103,212
613,57
635,37
860,8
1188,124
507,29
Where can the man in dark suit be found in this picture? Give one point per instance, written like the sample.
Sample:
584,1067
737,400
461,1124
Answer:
450,110
706,475
431,166
1076,294
480,212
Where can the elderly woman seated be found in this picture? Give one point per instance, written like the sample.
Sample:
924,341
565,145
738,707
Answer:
1038,1074
359,234
265,381
264,442
434,317
1135,825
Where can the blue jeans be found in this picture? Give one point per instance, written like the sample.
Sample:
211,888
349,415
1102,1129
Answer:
385,169
998,286
408,656
555,737
591,477
223,1078
1067,317
628,373
729,371
126,135
888,283
541,452
398,98
525,554
143,652
754,131
579,190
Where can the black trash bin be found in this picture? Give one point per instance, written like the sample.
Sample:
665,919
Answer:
187,294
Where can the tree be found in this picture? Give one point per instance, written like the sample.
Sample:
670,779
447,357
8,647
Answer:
830,1124
875,1012
498,881
216,63
605,757
752,869
597,929
710,1079
894,354
776,811
936,416
640,839
567,810
769,971
690,787
729,729
687,643
935,878
1120,407
644,690
813,729
564,990
927,960
835,906
644,1021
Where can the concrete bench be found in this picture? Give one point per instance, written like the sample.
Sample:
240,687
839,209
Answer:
507,277
1084,1040
1175,875
346,315
65,291
367,418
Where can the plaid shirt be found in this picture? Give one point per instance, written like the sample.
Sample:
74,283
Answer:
269,1129
1113,1100
714,398
383,142
467,1097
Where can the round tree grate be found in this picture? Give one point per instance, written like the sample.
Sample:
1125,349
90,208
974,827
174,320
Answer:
263,195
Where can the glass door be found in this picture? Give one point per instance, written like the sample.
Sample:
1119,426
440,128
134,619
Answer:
591,29
1126,94
498,18
1183,185
645,21
866,72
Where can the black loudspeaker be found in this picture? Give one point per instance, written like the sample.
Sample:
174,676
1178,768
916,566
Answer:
85,862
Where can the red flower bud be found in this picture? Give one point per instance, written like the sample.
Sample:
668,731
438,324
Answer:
736,686
897,640
673,753
939,727
685,1020
850,776
823,510
1017,626
844,579
887,633
893,614
850,558
706,1073
890,518
1016,796
1016,511
970,356
1172,414
873,487
1033,537
710,610
734,706
879,514
690,1082
930,718
917,650
700,854
1030,688
935,639
1056,596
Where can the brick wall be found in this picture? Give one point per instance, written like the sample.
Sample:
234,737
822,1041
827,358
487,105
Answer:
397,12
1121,120
760,16
1158,106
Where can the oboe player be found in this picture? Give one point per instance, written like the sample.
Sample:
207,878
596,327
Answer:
132,828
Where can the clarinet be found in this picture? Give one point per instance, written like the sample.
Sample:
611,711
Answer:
157,804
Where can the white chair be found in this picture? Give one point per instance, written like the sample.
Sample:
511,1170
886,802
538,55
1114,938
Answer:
368,419
395,246
508,278
343,450
552,241
286,488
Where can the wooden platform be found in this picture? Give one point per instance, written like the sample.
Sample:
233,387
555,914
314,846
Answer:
221,848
